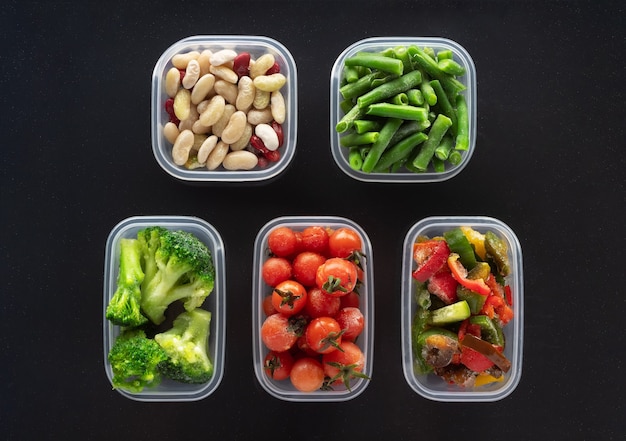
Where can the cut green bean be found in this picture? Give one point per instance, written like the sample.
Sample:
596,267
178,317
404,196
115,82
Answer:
462,132
428,93
362,85
435,134
445,54
455,157
399,151
400,99
350,74
401,111
402,54
439,166
377,149
407,128
443,104
348,119
353,139
376,61
390,88
367,125
415,97
346,105
354,158
451,67
451,85
444,148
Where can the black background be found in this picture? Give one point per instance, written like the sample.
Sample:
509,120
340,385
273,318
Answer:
76,160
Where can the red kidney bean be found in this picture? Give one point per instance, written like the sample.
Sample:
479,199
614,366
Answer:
274,69
241,64
279,132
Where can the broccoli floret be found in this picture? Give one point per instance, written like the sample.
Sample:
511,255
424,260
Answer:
177,266
134,361
124,308
186,345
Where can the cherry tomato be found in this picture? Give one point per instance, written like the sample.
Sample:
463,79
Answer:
351,321
323,334
278,365
289,297
279,332
350,299
307,374
320,304
305,266
343,241
337,276
304,349
268,308
315,239
276,270
283,242
342,365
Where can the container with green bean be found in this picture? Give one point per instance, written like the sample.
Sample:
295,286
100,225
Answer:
403,109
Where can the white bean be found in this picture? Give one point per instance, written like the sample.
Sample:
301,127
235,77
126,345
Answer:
243,141
227,90
172,82
192,73
261,65
235,127
216,157
182,104
203,60
245,93
170,132
221,123
267,135
240,160
270,83
222,57
180,61
261,99
277,105
182,147
256,117
203,86
206,148
213,111
225,73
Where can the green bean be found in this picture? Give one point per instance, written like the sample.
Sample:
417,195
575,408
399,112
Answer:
407,128
391,88
402,54
402,111
428,93
451,85
360,86
353,139
400,99
455,157
348,119
399,151
367,125
354,158
444,148
462,133
376,61
415,97
439,166
377,149
346,105
451,67
445,54
443,103
435,134
350,74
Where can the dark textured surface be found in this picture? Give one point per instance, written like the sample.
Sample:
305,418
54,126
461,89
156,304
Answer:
77,160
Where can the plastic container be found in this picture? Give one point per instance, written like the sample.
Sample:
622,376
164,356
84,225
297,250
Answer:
283,389
170,390
376,44
431,386
256,46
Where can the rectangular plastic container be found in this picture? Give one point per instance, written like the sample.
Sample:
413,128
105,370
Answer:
283,389
170,390
431,386
377,44
256,46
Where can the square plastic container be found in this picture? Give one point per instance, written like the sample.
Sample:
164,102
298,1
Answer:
170,390
256,46
377,44
431,386
284,389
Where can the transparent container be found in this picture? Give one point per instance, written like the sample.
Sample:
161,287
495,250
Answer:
256,46
376,44
170,390
283,389
431,386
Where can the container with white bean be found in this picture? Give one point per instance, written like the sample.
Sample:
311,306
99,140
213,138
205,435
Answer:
224,108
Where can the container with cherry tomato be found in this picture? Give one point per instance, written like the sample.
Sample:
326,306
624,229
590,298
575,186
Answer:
313,308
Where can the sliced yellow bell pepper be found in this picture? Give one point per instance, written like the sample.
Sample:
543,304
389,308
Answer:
477,239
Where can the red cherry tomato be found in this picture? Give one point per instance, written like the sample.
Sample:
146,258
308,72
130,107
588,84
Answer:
320,304
307,374
337,276
276,270
315,239
343,241
289,297
283,242
323,335
268,307
277,365
344,364
279,332
305,265
350,299
351,321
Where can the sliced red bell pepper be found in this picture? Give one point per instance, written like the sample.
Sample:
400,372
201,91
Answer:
443,285
474,360
430,256
460,274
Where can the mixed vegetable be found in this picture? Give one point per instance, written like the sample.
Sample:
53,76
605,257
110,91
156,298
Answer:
404,110
312,315
463,304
